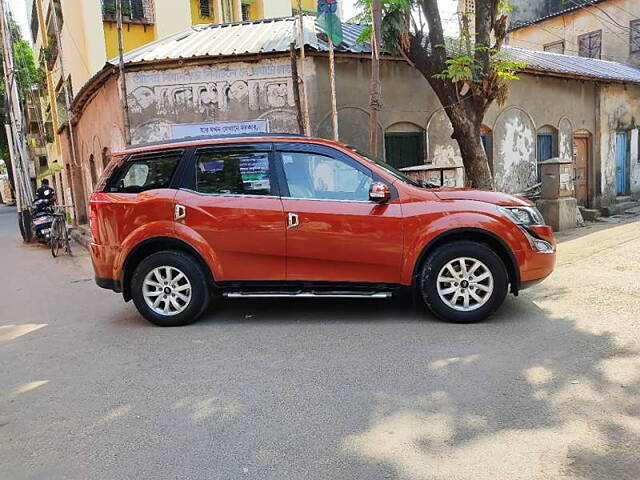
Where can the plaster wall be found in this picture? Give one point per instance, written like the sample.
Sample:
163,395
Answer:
210,93
619,111
568,27
172,16
564,105
98,131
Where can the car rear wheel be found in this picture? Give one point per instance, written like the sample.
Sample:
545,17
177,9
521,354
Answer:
464,282
170,289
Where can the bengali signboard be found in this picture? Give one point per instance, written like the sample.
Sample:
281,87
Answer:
218,129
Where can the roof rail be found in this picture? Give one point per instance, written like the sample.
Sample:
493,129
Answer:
212,137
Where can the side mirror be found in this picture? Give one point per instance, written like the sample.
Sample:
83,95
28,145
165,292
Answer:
379,192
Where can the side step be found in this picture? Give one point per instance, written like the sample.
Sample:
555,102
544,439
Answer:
307,294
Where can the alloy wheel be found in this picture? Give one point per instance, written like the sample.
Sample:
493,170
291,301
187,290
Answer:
465,284
167,291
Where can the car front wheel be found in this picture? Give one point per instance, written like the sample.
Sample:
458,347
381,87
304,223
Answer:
170,289
464,282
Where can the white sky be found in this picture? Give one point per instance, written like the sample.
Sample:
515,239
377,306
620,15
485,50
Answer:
447,9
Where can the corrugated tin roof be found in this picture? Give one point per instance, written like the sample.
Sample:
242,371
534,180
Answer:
245,38
275,36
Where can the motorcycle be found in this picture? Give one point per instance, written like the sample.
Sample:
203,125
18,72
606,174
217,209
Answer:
42,217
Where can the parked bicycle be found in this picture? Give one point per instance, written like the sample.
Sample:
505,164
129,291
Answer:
59,231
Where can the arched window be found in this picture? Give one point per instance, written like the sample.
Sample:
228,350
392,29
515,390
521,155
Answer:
546,146
404,145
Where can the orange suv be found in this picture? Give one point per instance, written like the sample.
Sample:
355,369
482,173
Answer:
288,216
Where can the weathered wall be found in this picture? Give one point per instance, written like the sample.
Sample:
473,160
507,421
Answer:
241,91
210,93
564,105
98,131
615,38
619,111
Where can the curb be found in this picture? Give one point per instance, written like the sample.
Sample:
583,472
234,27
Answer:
80,238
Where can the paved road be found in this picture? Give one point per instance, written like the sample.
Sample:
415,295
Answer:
550,388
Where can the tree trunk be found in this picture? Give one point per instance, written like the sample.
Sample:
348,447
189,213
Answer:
467,133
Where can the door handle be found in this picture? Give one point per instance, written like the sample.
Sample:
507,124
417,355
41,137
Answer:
180,212
293,220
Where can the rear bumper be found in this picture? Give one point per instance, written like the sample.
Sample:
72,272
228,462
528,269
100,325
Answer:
109,284
103,258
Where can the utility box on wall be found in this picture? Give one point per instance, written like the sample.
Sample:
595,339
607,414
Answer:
557,203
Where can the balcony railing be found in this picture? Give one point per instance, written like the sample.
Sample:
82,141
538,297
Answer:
133,11
50,53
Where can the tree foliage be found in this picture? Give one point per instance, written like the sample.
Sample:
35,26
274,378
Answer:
467,73
28,77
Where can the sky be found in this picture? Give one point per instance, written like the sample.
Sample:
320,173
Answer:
447,10
18,9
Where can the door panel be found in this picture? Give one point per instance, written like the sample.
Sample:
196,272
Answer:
246,234
344,241
233,205
338,235
622,163
581,149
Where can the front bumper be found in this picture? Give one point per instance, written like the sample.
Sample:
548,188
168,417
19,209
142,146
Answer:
538,265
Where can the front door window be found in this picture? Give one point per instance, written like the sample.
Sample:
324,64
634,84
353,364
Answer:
319,177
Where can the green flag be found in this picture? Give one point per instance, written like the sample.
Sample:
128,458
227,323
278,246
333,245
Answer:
328,20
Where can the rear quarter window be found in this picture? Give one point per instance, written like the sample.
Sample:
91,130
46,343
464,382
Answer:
142,174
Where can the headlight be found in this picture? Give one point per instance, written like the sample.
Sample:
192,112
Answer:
523,215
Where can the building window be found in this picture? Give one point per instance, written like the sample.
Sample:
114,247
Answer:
133,11
404,149
590,45
246,12
555,47
635,36
546,146
205,8
227,11
43,161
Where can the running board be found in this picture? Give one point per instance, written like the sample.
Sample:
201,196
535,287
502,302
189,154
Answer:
307,294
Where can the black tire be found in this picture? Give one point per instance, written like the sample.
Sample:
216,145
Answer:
437,261
55,238
192,270
24,221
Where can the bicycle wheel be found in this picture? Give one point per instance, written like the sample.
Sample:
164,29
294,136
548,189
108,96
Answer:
55,238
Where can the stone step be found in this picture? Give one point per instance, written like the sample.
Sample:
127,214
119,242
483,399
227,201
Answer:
589,214
82,235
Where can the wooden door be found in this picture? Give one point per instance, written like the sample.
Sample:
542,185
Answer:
581,158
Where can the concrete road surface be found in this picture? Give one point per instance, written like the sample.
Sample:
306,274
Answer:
548,389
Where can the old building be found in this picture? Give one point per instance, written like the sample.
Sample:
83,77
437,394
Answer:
605,29
564,106
73,41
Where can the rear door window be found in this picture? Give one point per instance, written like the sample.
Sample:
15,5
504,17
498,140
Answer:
145,173
234,173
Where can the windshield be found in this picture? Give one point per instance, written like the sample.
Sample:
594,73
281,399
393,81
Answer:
390,170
